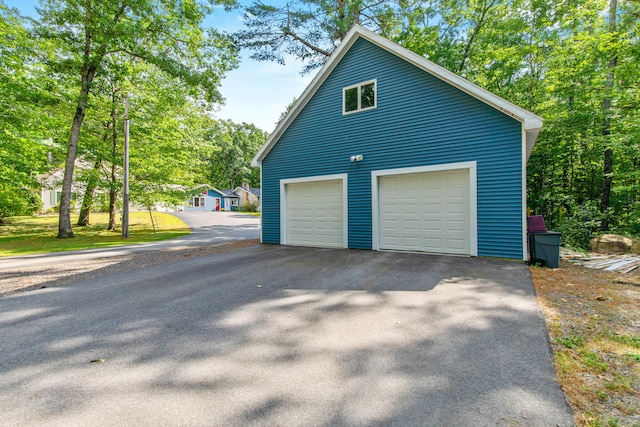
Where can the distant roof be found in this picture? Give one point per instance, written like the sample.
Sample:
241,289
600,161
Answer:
252,190
229,193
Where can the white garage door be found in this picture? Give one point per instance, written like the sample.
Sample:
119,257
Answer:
315,214
427,212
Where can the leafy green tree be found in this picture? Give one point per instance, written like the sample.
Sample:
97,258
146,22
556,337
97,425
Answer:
588,147
28,106
102,139
234,145
165,33
167,138
309,30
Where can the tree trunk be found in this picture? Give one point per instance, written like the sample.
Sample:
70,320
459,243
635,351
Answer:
474,33
87,200
113,175
90,65
113,196
153,224
606,188
64,222
607,171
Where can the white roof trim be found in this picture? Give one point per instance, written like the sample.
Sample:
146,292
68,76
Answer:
530,122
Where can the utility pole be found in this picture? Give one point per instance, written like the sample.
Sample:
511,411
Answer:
125,192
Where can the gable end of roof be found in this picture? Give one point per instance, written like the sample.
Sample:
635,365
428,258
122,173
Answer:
531,123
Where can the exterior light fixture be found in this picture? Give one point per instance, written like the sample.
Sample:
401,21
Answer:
357,158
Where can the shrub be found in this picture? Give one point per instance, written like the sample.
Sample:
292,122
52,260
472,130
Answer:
4,215
579,224
249,207
18,201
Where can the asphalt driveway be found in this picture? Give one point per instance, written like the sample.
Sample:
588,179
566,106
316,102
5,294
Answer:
273,335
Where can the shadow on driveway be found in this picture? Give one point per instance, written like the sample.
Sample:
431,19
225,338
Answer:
274,335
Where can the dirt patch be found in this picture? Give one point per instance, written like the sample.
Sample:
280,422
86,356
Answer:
593,319
51,275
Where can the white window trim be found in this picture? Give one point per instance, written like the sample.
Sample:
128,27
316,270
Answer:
345,203
359,85
200,198
473,197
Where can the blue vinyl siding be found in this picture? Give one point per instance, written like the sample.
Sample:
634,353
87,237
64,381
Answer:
214,193
419,121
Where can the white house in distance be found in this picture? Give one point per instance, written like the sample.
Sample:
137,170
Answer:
51,188
247,194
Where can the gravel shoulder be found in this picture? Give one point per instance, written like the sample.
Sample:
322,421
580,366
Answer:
23,278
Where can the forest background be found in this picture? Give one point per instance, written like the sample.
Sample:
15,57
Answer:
64,77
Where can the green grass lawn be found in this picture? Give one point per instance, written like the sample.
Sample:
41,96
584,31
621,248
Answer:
34,235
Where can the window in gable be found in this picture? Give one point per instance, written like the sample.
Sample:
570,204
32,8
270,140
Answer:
359,97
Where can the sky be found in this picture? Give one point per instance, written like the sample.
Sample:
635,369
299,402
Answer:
256,92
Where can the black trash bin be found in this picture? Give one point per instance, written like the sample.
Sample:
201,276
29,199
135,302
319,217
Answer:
545,248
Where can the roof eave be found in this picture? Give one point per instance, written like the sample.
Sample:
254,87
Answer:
306,96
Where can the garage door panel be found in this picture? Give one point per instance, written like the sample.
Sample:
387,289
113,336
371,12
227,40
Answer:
435,217
432,226
391,209
315,213
410,242
453,225
411,225
461,209
457,194
456,245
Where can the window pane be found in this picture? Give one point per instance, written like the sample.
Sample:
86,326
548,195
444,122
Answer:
368,98
351,99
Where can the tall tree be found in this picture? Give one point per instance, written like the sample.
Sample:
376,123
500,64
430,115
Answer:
309,30
589,107
89,193
234,145
166,33
607,172
102,138
167,138
29,104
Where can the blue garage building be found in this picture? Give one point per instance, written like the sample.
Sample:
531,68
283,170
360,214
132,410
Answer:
386,150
